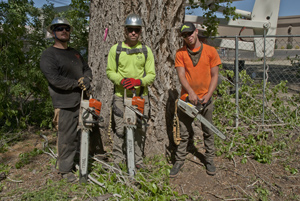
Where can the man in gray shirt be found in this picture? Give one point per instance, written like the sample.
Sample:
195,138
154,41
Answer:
67,74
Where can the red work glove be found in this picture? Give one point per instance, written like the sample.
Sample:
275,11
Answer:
123,81
129,83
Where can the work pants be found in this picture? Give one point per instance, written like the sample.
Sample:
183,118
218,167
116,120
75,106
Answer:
119,144
66,120
186,130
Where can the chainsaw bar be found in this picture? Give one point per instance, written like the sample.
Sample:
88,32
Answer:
191,111
84,156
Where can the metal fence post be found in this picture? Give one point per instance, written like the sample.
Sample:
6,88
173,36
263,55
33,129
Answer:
264,78
266,66
237,81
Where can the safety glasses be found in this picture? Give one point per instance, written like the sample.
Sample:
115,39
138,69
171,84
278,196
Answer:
187,34
62,28
136,30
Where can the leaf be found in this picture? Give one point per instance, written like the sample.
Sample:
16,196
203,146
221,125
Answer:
154,188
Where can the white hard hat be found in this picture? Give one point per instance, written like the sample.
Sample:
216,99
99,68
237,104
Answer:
133,20
58,21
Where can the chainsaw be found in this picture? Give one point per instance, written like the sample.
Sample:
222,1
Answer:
194,111
134,111
89,115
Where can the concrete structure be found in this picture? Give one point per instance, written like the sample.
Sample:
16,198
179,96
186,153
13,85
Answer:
282,27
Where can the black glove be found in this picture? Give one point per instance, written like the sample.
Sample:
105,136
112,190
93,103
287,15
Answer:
89,92
84,83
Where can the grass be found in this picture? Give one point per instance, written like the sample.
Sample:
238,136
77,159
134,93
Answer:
152,184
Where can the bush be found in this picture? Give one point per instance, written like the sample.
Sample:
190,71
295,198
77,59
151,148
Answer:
289,46
24,95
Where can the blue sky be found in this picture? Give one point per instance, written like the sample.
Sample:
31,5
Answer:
40,3
287,7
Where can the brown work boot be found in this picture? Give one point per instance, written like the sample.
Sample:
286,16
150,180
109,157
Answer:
70,177
210,167
175,169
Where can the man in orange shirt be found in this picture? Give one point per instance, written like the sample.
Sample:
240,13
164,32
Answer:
197,68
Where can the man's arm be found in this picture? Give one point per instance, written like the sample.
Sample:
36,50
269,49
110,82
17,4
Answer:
87,72
51,72
149,69
111,69
214,71
193,98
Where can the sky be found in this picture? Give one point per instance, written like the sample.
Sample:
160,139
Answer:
57,3
287,7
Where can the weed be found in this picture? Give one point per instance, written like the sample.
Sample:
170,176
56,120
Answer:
262,193
4,168
51,191
249,140
291,170
289,46
24,158
149,185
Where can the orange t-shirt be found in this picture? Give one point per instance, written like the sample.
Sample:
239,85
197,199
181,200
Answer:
198,77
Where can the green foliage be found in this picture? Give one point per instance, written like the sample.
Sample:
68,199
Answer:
291,170
289,46
152,185
295,62
51,191
24,96
4,168
24,158
262,193
148,185
249,139
22,83
209,14
80,22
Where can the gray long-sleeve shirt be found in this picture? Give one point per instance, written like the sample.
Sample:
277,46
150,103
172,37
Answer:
62,68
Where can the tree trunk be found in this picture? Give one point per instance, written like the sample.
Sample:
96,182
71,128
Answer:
162,19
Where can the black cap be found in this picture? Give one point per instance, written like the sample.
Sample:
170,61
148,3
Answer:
187,27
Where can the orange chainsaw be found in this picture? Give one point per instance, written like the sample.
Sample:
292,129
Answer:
89,115
134,111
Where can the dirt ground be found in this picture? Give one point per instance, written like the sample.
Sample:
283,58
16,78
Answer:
233,181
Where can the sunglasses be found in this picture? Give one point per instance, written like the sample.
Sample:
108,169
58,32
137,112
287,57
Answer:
62,28
184,35
136,30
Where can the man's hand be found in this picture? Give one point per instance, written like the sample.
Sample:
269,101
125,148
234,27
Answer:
205,99
193,98
84,83
129,83
89,92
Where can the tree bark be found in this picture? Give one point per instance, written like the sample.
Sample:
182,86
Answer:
162,19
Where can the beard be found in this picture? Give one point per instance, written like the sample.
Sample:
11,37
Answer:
64,39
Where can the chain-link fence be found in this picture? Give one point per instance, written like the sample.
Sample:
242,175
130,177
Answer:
277,65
